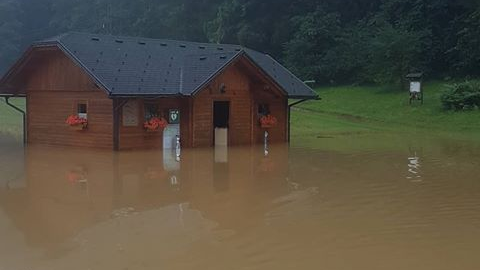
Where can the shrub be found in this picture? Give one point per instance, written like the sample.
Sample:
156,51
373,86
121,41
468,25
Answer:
462,96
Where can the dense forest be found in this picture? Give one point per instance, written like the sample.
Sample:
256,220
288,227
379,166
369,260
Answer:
331,41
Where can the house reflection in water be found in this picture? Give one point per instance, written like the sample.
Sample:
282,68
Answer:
71,190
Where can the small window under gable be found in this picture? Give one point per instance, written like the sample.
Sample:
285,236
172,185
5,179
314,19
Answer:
263,109
151,110
82,109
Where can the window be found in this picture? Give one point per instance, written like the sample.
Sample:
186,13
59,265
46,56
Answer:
151,110
82,110
263,109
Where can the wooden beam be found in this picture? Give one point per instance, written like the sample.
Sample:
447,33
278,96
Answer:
117,106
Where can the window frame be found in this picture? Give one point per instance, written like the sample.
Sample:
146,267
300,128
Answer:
76,108
267,111
157,110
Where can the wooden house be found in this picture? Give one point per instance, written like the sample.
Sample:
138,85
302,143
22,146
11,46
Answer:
118,84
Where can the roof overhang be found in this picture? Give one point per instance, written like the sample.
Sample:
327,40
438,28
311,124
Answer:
7,88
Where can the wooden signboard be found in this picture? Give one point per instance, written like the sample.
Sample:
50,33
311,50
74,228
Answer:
130,114
415,87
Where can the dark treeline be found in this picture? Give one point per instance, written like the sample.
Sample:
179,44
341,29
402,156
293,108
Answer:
331,41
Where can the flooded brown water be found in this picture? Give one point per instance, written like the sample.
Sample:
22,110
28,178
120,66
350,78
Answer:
356,202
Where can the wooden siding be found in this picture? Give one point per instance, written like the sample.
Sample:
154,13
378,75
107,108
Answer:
54,85
246,88
237,87
137,138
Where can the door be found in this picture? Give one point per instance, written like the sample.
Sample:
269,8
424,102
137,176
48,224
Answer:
221,118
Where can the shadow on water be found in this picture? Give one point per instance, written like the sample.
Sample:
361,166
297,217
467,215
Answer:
398,204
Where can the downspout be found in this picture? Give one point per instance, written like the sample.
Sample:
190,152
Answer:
24,119
289,112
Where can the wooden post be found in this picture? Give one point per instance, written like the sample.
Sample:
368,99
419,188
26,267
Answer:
116,126
117,106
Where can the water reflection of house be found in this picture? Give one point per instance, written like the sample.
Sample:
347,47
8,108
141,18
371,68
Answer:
69,191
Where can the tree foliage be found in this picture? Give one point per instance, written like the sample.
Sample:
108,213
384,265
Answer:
331,41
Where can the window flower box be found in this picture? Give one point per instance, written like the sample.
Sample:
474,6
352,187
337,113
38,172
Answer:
155,124
76,123
268,121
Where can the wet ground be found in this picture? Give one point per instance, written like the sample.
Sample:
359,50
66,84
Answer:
354,202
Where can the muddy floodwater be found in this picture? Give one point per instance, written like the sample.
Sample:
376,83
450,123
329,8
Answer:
350,202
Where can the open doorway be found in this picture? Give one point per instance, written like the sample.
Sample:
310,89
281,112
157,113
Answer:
221,117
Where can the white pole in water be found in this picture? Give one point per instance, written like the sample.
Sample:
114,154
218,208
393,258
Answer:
177,148
265,143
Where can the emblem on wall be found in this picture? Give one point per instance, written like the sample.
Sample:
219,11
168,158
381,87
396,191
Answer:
174,116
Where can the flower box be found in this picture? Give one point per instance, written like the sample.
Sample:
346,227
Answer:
268,121
155,124
78,127
76,123
266,125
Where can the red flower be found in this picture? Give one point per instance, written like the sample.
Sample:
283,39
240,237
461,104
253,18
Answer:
74,120
155,123
268,121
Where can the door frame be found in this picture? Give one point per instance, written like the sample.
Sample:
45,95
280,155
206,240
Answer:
229,118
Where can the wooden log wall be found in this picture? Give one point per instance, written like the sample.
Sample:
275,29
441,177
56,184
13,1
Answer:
245,89
54,85
135,137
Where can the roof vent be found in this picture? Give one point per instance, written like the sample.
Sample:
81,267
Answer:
203,58
118,41
238,49
141,43
183,46
95,39
201,47
223,57
163,44
220,48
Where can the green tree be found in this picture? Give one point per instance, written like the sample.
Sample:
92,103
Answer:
10,37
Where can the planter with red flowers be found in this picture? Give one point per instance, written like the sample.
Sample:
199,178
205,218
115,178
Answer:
155,124
76,123
268,121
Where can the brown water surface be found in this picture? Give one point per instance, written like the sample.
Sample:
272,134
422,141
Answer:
357,202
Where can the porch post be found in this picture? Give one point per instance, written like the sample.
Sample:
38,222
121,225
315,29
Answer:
116,125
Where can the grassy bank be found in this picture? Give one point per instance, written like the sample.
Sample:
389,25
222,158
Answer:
358,110
352,110
11,120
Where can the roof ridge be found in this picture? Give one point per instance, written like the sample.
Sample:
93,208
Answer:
137,38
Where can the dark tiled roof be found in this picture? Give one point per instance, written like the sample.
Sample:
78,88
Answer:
140,66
